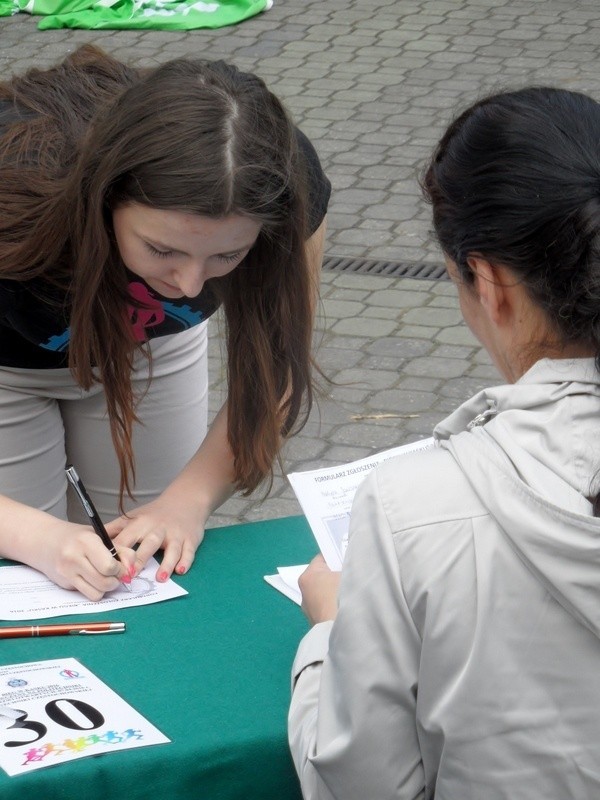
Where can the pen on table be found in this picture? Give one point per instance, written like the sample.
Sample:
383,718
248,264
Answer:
90,510
64,629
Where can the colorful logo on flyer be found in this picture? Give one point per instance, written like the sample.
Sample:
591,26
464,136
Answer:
79,745
69,673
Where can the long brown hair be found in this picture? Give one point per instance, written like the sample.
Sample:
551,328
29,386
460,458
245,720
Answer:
194,136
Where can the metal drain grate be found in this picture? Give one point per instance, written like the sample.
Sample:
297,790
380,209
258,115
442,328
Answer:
387,269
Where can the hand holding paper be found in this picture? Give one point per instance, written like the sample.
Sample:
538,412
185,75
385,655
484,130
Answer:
326,497
319,587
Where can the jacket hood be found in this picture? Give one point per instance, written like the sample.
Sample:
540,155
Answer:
531,451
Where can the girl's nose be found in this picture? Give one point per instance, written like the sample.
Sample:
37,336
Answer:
191,280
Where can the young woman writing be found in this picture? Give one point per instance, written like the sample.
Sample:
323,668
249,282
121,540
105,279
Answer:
134,203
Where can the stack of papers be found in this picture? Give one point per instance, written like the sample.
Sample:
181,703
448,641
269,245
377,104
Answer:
326,497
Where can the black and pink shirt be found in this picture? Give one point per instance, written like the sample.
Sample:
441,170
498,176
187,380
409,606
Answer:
34,335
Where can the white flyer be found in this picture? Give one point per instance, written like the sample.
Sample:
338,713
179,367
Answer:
56,711
326,497
286,581
26,593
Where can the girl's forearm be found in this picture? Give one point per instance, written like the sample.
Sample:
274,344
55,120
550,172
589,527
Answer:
22,529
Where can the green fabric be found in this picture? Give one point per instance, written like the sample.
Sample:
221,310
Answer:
211,670
173,15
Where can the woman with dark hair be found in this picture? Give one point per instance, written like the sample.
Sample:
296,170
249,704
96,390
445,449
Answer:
464,657
133,203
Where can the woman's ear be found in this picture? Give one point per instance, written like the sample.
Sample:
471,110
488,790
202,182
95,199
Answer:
489,286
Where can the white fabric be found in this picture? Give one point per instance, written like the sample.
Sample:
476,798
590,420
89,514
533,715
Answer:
47,420
465,657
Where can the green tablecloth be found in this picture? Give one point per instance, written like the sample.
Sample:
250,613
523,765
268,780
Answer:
210,670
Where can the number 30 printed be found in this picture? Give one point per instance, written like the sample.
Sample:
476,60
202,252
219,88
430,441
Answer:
57,711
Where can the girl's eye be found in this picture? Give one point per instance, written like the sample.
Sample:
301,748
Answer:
231,257
158,253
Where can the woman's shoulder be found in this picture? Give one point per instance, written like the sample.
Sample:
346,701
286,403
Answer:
421,511
424,487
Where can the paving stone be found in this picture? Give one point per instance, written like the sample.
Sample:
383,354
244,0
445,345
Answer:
436,367
455,351
341,309
409,383
334,359
436,317
403,402
343,454
381,313
458,334
357,294
372,437
364,326
463,388
399,347
420,332
371,380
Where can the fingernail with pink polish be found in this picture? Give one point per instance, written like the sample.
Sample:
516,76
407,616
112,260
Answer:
126,579
181,570
162,577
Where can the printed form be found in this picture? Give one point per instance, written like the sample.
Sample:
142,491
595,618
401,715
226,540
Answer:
326,497
26,593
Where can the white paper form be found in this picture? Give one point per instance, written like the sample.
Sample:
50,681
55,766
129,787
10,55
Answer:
286,581
326,497
26,593
55,711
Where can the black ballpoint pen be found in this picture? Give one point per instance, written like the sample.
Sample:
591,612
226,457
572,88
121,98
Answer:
90,510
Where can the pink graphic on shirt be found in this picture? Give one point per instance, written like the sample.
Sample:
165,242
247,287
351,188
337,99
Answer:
141,318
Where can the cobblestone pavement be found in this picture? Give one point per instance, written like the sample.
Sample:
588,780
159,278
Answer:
373,84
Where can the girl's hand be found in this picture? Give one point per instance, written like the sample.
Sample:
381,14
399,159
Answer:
319,586
160,525
74,557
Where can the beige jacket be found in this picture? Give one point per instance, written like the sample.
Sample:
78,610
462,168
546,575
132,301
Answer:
465,659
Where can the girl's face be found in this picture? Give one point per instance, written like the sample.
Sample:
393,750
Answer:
176,252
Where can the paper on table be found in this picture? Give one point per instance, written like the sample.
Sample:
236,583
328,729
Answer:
69,712
326,497
286,581
26,593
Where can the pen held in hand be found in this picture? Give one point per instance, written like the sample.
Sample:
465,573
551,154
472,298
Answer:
93,515
64,629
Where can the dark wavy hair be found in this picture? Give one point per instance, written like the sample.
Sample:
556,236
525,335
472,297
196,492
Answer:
516,180
190,135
